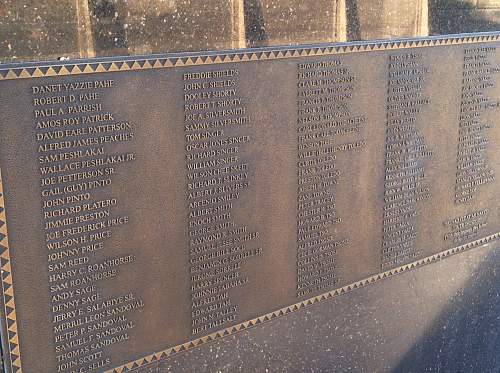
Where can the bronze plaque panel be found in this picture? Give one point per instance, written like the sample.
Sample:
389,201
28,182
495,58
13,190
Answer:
158,203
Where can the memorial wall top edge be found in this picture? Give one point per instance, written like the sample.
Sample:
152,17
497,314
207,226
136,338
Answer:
22,70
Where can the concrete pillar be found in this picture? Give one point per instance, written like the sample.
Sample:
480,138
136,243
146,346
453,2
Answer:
341,21
238,23
85,37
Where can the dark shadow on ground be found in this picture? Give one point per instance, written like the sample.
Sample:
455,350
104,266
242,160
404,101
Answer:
466,336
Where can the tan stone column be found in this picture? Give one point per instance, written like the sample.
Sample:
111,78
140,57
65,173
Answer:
85,38
238,22
422,20
340,20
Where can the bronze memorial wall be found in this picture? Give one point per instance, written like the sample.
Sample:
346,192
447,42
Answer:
153,204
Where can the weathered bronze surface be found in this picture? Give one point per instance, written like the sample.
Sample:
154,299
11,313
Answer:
156,204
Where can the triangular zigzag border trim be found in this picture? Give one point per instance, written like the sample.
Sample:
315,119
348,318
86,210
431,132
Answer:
155,357
170,61
8,290
162,62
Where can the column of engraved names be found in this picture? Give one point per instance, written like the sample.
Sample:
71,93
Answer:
405,158
218,175
473,169
74,133
326,129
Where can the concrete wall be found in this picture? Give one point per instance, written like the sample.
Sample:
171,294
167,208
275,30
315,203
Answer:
277,22
462,16
47,29
41,29
383,19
